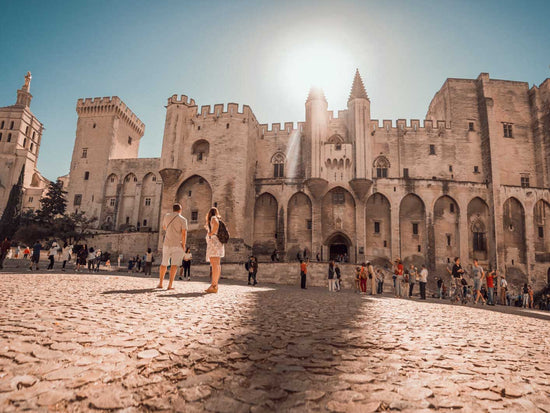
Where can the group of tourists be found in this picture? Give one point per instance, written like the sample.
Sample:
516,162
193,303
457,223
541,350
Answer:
404,280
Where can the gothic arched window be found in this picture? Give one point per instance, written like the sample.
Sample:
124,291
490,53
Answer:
479,241
381,165
278,161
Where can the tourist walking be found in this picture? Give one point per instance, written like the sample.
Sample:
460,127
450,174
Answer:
252,268
398,272
303,274
531,300
149,258
91,259
503,284
422,281
413,275
35,258
358,279
491,287
51,255
331,274
175,237
5,247
525,296
97,261
215,249
82,255
65,255
372,278
479,275
457,272
380,279
363,278
26,252
338,281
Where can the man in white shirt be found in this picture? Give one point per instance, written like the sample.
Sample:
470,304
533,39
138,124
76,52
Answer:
422,281
175,228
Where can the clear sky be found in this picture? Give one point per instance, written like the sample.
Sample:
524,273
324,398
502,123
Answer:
265,54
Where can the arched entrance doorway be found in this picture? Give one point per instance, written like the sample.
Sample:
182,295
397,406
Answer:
339,246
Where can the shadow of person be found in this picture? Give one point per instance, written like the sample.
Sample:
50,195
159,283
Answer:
183,295
137,291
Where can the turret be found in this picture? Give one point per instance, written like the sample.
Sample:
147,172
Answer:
358,126
316,130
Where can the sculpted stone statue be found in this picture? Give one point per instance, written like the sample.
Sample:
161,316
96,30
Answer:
27,84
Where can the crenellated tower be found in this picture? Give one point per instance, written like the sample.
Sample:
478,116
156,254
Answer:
107,129
358,126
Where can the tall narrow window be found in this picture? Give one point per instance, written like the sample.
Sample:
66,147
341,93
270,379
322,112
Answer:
471,126
432,149
507,129
452,208
525,181
84,152
11,125
415,228
0,136
479,241
86,175
77,199
278,161
541,232
9,137
381,164
377,227
448,240
112,202
147,201
405,172
309,224
476,169
2,127
129,140
194,216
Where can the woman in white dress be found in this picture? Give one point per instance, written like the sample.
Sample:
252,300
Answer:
215,250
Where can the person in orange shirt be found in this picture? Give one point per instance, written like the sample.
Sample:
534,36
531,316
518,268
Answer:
303,273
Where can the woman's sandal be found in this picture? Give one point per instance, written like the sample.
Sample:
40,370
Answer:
212,290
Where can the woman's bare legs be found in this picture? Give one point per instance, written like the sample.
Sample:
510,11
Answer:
216,272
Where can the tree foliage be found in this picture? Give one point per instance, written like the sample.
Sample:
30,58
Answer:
10,217
52,221
54,203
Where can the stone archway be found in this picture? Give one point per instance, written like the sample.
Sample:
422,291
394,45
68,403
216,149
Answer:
513,222
446,236
266,214
339,246
378,227
195,197
412,230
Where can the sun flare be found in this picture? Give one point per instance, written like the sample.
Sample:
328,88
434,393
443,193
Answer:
319,64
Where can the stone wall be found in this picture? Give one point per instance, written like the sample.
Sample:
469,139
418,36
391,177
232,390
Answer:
128,244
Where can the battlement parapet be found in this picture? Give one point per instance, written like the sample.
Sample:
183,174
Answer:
224,110
411,125
275,129
340,115
182,100
109,105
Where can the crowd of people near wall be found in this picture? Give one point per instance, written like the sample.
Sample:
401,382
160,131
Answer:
475,286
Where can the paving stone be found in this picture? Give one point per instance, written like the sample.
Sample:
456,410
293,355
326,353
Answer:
270,349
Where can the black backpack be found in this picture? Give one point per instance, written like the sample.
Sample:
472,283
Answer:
223,233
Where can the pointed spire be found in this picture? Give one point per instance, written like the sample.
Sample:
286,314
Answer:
316,93
358,88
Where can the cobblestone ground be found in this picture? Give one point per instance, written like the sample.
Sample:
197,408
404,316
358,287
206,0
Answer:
82,342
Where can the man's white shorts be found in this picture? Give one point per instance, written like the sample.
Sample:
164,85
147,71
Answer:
172,256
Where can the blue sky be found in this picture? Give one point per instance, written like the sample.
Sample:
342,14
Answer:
265,54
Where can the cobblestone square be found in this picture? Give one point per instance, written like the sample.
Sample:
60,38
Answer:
79,342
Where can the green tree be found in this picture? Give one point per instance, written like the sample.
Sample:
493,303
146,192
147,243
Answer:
54,203
10,217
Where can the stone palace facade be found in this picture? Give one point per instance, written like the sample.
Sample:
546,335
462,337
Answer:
471,180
